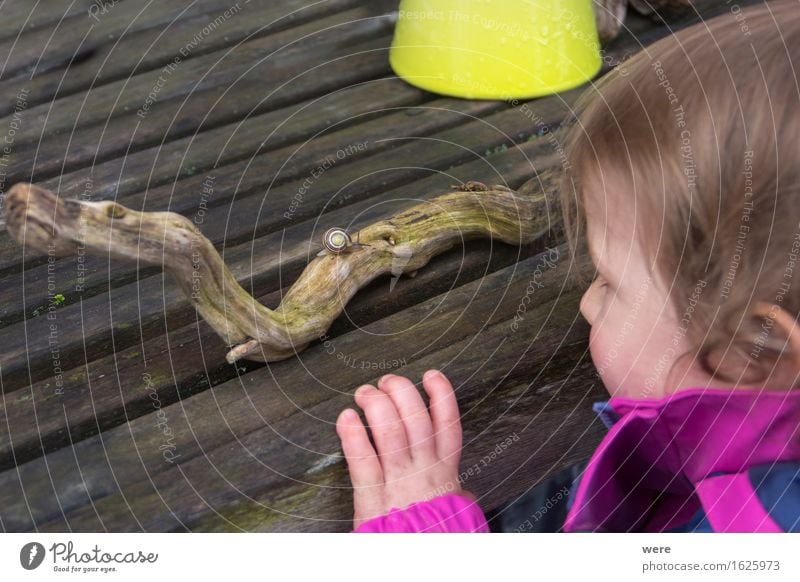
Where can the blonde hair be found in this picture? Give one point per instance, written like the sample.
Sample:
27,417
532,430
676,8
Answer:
701,131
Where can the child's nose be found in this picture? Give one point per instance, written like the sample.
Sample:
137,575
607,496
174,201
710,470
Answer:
588,305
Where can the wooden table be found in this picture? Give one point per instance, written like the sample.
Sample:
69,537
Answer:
266,123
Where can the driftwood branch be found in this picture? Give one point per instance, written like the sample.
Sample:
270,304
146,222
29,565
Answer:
403,243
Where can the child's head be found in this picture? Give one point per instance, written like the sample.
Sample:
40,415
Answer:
684,180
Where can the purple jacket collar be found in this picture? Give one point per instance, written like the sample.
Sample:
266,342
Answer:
642,477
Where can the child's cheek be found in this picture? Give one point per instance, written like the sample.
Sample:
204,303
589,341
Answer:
602,356
611,357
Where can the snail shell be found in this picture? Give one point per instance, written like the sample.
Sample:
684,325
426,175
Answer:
336,240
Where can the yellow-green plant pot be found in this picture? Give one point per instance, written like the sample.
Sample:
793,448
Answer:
495,49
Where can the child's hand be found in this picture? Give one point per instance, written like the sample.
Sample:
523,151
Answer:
418,453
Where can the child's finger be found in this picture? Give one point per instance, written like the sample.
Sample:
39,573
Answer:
387,429
414,415
445,416
362,462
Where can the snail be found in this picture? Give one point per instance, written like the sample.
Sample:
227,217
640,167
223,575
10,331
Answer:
337,241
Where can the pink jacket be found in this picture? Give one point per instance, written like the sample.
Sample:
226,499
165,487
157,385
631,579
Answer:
699,460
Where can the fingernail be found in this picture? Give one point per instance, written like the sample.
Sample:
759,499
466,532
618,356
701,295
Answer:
431,373
361,389
384,377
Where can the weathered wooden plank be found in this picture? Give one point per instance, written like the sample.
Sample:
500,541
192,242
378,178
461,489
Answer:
83,333
243,140
61,464
548,433
56,43
279,57
359,144
83,146
36,418
80,276
22,17
90,398
135,51
277,393
287,449
83,330
215,107
153,133
80,336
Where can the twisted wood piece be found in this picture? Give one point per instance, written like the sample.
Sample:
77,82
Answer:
402,244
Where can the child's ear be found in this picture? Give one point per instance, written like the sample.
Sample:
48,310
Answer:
786,328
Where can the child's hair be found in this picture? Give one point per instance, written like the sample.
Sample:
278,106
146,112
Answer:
701,132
